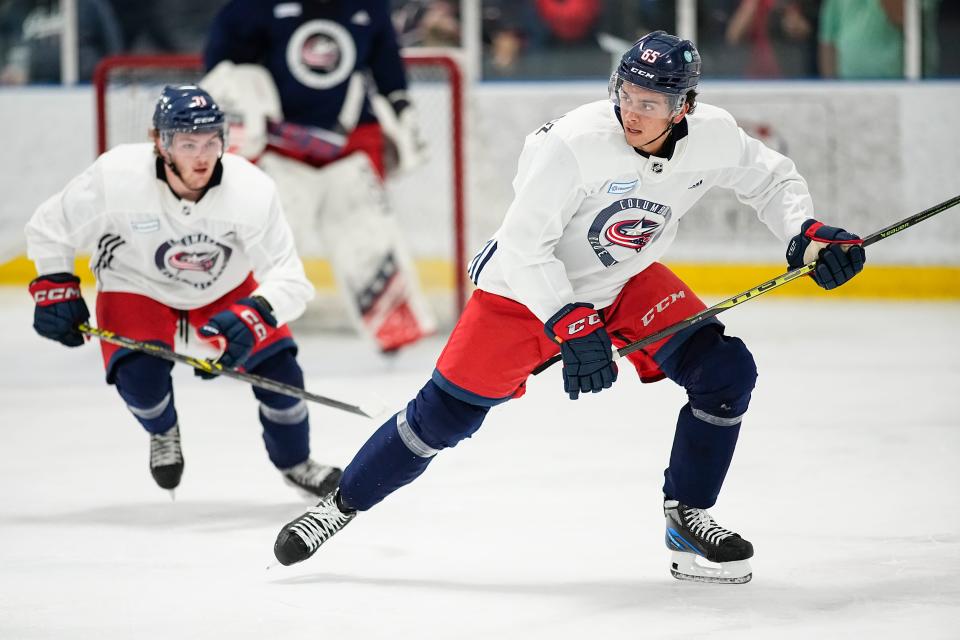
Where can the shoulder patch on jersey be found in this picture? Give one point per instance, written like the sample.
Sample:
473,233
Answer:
622,187
288,10
145,226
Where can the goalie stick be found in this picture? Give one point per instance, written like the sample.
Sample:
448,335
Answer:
780,280
213,367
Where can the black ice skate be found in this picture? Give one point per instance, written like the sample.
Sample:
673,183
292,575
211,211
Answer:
693,532
299,539
316,479
166,458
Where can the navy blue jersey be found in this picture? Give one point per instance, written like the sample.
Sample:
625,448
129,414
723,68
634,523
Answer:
311,48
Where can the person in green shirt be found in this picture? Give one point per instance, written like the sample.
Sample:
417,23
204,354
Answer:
863,39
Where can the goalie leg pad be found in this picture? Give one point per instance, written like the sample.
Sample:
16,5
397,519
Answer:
370,258
344,203
400,450
146,387
285,420
719,375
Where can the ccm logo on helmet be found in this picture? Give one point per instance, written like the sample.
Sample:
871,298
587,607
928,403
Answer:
256,325
641,72
56,295
582,323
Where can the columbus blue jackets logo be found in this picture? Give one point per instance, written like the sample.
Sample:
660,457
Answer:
625,228
321,54
196,260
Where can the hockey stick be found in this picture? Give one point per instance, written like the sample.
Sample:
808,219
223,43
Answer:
213,367
769,285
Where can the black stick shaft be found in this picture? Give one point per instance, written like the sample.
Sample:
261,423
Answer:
212,367
780,280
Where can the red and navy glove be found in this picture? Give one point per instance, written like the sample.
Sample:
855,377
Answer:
60,308
245,324
585,347
839,254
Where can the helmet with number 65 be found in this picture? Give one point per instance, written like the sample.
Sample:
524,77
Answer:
659,62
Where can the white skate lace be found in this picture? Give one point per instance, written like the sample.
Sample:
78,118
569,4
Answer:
165,448
703,525
319,523
309,473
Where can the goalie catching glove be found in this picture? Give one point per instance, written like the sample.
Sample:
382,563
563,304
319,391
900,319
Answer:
247,323
585,347
406,149
839,254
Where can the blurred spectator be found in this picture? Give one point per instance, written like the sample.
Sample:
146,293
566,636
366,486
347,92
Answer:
505,29
427,23
36,55
142,25
752,21
569,20
12,14
861,39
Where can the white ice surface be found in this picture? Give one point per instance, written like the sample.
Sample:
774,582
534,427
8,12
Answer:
547,524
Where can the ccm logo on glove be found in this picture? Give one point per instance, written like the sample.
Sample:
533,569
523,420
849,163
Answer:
253,320
46,293
582,323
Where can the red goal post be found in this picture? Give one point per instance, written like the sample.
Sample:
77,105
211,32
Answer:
127,86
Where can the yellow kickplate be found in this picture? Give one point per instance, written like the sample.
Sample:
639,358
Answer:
708,279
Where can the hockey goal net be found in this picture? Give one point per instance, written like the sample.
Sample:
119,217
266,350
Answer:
429,201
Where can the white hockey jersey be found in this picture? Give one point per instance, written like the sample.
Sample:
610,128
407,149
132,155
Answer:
144,239
590,212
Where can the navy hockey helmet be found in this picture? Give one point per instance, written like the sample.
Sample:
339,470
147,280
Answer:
659,62
187,109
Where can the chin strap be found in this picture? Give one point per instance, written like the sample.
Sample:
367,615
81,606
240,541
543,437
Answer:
167,161
663,133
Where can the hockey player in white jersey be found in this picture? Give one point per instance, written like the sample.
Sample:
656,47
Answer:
187,244
321,92
575,268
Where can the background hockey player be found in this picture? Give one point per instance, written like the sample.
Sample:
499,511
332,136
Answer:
575,267
182,238
301,77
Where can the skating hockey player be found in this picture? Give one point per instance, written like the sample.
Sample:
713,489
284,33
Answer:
188,244
297,78
575,267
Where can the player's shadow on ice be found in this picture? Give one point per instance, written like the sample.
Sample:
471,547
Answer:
614,592
201,516
773,598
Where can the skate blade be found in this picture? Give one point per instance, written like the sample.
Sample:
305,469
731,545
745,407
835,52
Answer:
687,566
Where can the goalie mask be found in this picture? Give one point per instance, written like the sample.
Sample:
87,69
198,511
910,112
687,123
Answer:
661,63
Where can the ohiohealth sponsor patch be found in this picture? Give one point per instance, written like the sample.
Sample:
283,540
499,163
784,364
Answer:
621,187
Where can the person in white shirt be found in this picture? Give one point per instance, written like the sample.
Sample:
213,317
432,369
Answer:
187,243
575,268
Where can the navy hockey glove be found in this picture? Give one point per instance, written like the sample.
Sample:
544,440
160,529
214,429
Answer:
60,308
839,254
585,347
246,323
